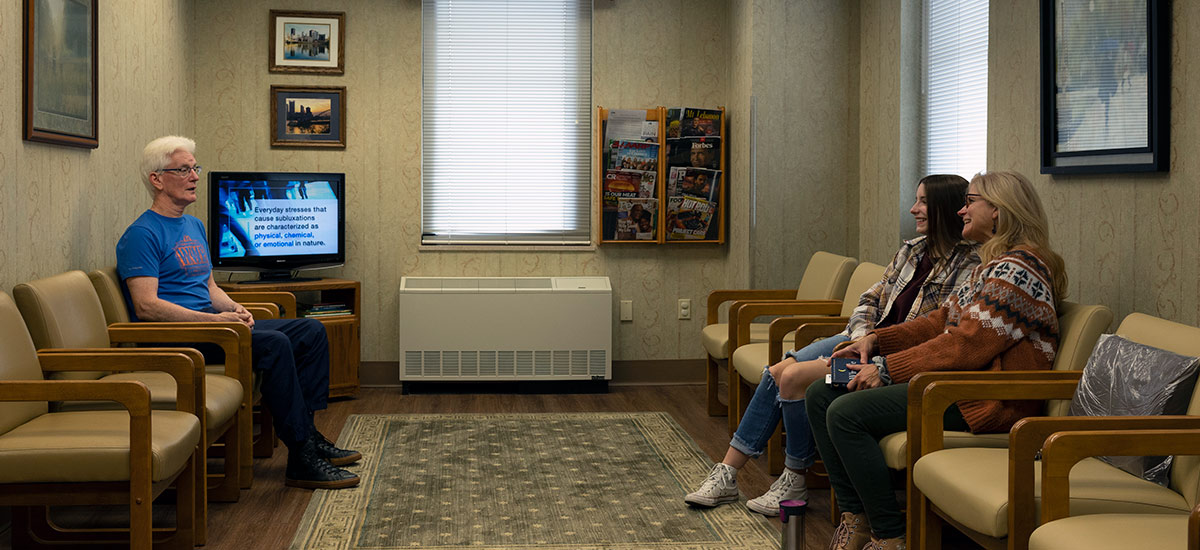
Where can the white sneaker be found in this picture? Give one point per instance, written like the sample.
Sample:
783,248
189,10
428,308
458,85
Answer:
719,488
789,486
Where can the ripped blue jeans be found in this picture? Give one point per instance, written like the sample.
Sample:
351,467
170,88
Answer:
766,409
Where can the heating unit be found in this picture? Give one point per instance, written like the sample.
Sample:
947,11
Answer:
505,328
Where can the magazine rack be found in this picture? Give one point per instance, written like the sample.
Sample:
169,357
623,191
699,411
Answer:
683,210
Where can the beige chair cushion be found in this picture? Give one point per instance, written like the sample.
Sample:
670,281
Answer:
1113,532
895,446
976,482
223,395
715,337
93,446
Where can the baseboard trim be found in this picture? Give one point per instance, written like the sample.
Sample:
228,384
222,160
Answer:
670,372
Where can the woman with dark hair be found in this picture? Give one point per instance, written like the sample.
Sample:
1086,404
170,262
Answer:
1003,318
922,274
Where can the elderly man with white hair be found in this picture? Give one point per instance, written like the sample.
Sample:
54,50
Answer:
163,263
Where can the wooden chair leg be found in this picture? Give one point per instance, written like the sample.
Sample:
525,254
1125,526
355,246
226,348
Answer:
731,381
931,527
244,467
713,382
265,443
914,505
191,521
835,515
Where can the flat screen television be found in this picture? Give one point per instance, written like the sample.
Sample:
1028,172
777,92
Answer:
276,223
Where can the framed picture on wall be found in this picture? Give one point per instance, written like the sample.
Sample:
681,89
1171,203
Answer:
313,116
59,99
309,42
1105,86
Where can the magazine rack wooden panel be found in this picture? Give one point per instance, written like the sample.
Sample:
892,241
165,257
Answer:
668,191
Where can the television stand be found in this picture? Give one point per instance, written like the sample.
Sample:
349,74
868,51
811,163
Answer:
278,277
342,328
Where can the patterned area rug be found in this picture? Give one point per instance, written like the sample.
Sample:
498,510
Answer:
509,481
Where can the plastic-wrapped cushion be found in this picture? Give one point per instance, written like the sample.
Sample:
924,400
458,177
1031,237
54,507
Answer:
1125,378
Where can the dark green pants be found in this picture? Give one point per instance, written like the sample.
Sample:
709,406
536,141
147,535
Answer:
847,427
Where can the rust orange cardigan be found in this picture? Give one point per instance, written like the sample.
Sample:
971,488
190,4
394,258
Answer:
1002,318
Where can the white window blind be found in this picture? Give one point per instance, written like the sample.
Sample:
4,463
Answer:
506,122
956,75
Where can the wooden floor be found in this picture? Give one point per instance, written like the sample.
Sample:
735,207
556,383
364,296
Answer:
268,514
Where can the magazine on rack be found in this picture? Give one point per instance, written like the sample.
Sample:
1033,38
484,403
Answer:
693,122
698,152
688,218
628,184
694,182
634,155
700,122
635,219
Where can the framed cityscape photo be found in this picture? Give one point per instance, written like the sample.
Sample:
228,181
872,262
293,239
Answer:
309,42
312,116
59,99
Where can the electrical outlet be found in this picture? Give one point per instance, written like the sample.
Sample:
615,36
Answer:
626,310
685,308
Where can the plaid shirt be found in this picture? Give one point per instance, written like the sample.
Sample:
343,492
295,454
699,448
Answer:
947,274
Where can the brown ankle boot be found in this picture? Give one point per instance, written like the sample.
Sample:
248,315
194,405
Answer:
886,544
852,533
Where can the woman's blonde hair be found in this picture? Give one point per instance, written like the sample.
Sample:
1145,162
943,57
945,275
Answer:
1021,221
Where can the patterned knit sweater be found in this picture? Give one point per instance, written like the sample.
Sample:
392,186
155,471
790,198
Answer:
1002,318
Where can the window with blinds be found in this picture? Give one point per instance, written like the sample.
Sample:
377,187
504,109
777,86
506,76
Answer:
506,122
956,75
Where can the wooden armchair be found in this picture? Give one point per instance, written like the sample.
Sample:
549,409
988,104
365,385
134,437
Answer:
127,456
263,305
749,358
63,312
1063,450
1004,488
824,278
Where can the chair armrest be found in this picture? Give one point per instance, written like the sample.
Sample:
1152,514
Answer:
743,312
929,398
134,396
807,329
1065,448
285,300
233,338
262,310
185,365
718,297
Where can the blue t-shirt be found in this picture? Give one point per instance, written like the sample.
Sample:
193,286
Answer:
173,250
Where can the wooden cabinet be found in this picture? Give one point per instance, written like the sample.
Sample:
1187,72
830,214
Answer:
344,329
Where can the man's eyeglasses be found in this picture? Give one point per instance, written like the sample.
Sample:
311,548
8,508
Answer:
972,197
183,170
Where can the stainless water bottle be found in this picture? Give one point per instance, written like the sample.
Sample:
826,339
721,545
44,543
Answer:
791,513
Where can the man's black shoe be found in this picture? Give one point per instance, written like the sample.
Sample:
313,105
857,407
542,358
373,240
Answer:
306,469
335,456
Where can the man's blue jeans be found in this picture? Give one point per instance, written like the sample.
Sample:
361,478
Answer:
766,409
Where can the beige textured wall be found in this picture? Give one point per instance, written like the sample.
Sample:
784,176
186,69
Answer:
880,134
64,208
804,82
1129,241
646,53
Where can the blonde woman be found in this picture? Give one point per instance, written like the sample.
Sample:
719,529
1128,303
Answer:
1002,318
